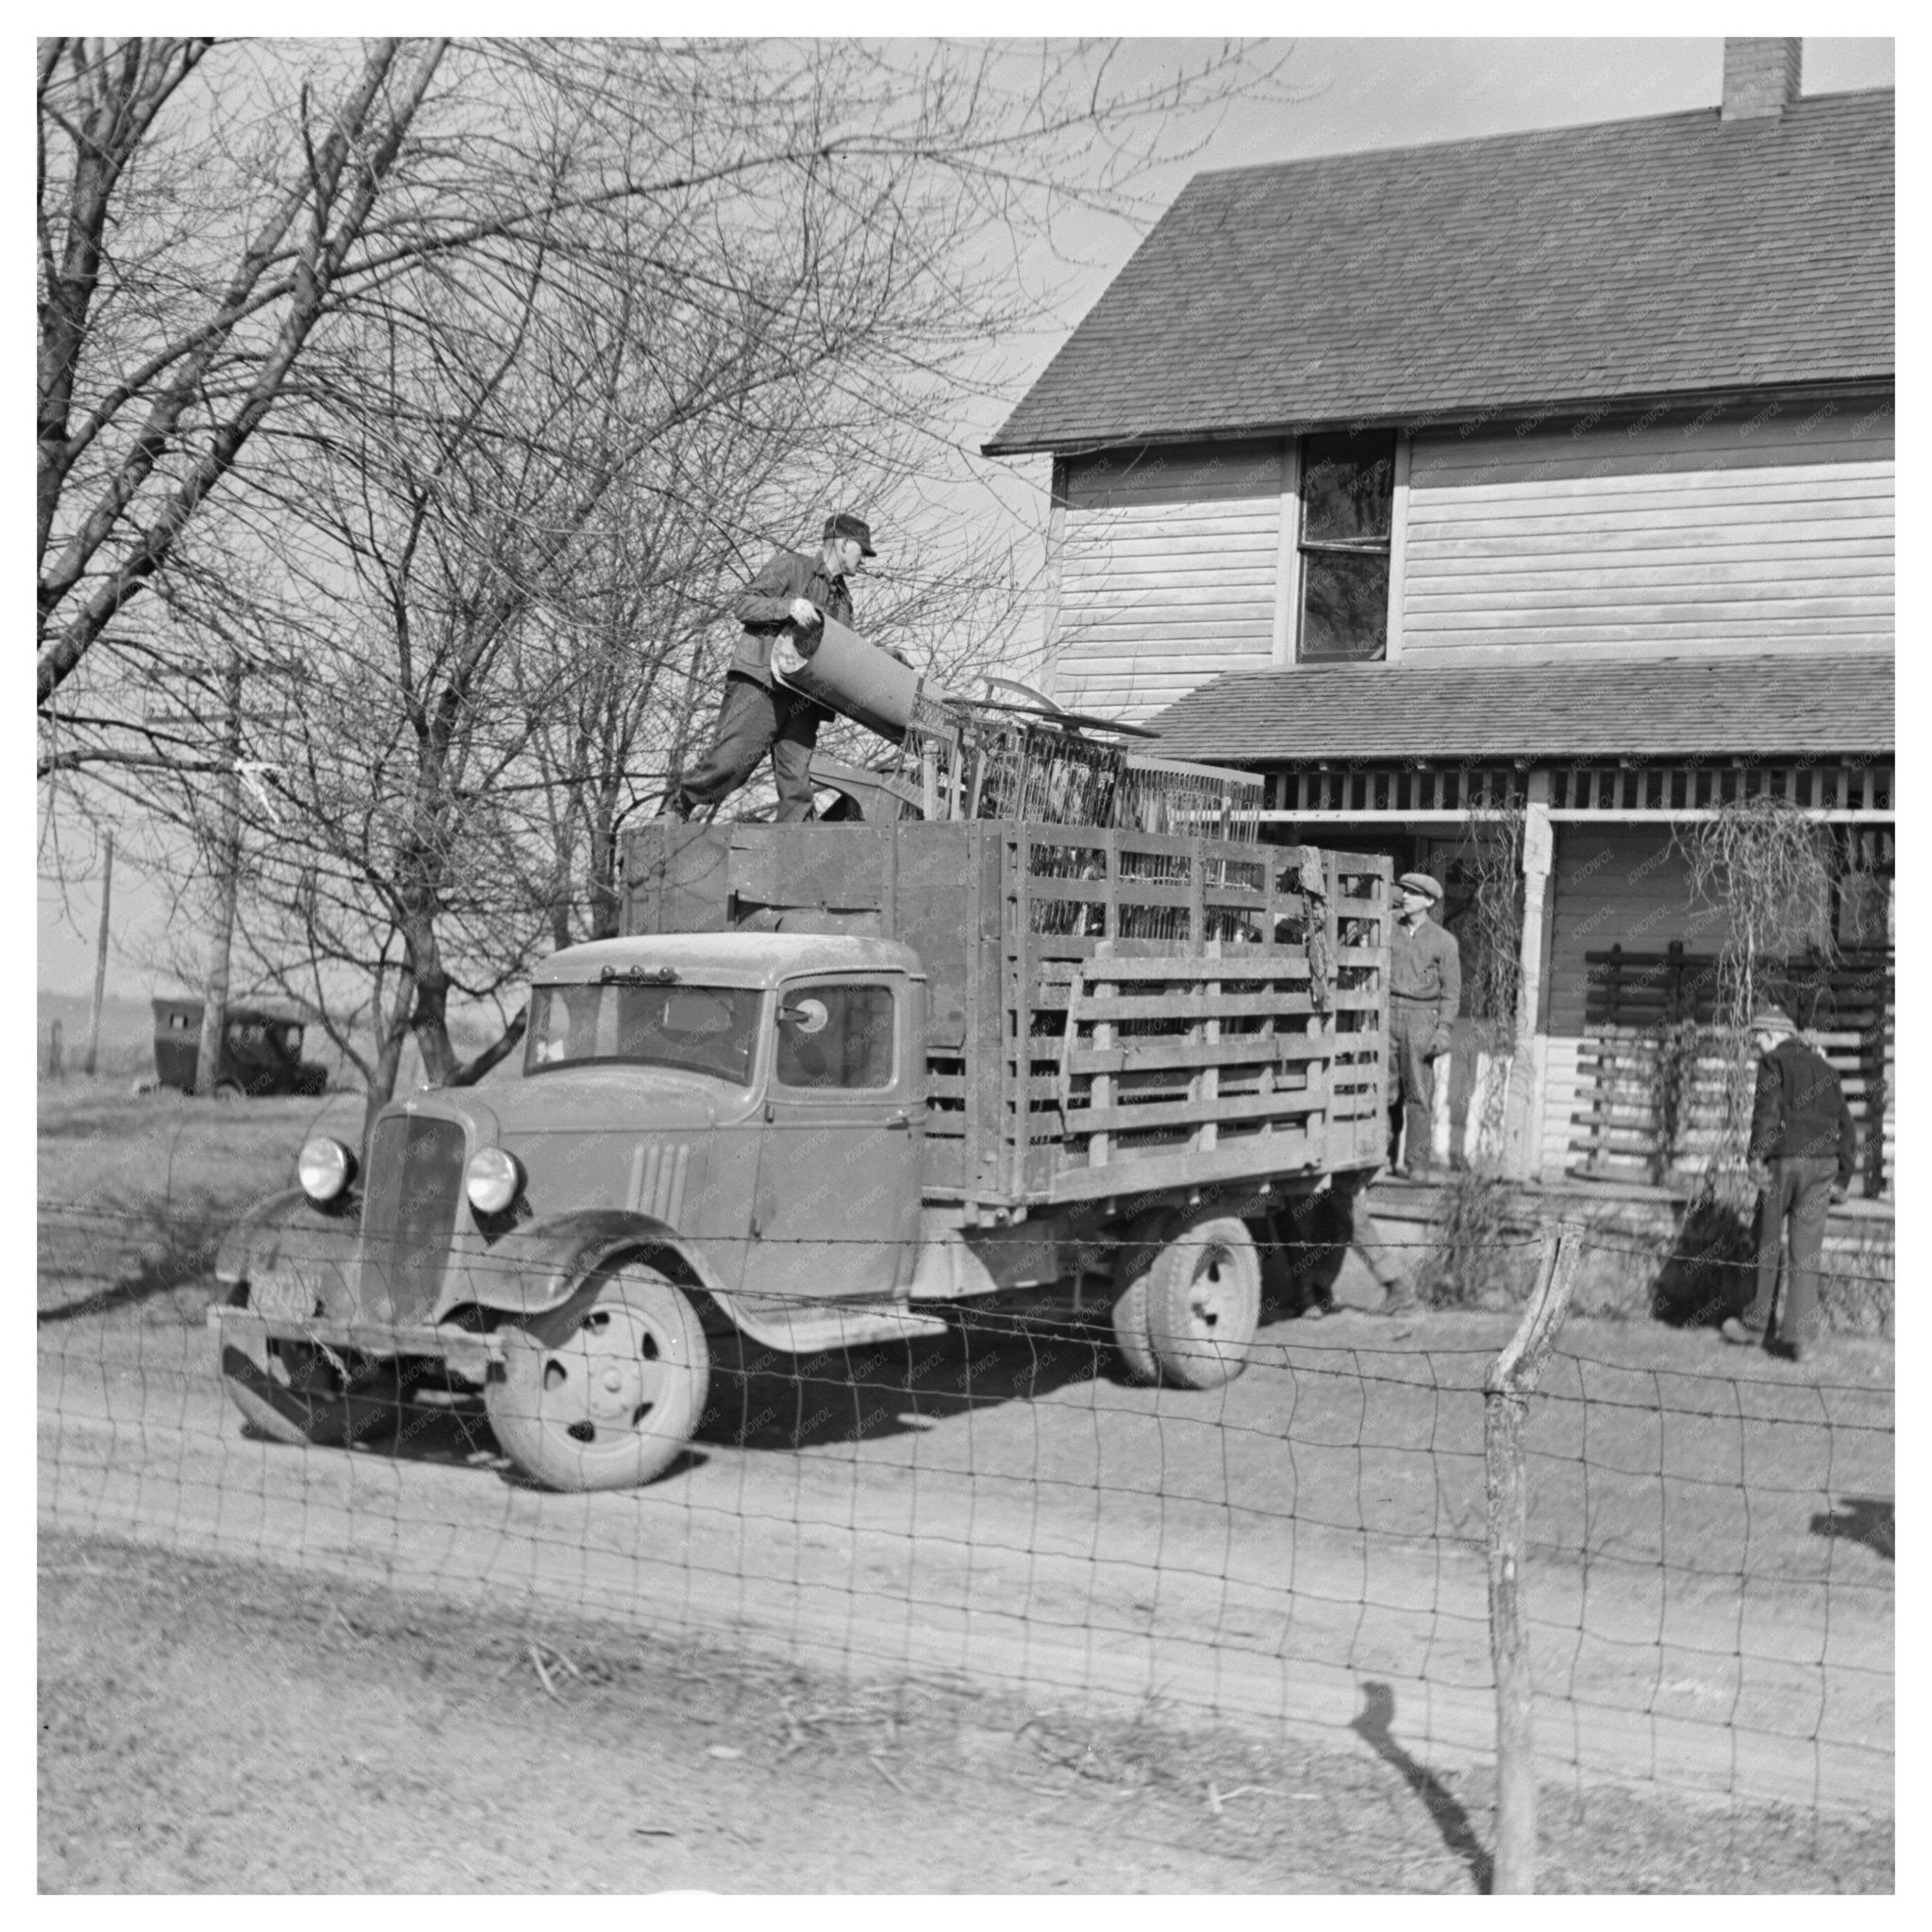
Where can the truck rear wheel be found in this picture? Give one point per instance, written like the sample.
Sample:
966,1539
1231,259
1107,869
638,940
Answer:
1138,1253
605,1392
297,1392
1204,1302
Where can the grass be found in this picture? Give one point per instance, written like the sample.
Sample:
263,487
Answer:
135,1193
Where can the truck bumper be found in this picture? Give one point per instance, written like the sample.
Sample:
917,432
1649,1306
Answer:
462,1350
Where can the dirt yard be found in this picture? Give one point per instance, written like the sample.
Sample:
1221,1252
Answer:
1277,1586
215,1727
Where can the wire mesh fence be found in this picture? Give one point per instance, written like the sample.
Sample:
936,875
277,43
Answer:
995,1500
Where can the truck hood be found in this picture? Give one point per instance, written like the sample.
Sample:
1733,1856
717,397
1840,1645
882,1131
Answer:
642,1138
616,1100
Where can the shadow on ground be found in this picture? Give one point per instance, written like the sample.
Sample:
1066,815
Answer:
1868,1520
1371,1725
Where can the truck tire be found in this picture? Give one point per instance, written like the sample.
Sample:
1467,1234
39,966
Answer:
605,1392
1130,1306
1204,1302
294,1392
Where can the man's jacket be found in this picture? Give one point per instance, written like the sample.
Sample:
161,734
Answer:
1801,1112
764,608
1426,977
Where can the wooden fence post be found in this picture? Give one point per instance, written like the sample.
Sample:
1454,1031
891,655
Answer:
1511,1379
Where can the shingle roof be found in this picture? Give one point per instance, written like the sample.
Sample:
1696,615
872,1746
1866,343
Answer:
1676,255
1672,706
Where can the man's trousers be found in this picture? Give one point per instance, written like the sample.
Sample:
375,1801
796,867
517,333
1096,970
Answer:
1800,1195
751,721
1410,1091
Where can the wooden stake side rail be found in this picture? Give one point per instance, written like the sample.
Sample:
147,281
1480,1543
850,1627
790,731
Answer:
1254,1156
1111,1011
1147,1056
1242,1049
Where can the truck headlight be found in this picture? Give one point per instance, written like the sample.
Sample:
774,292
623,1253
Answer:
492,1180
324,1168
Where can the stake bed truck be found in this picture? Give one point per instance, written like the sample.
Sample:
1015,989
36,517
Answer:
834,1077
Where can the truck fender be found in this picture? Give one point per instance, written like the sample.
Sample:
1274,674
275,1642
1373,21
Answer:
537,1267
295,1257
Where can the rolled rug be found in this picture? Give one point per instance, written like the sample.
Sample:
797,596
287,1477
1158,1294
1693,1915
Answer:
838,669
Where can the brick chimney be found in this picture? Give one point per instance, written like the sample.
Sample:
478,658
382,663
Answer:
1761,78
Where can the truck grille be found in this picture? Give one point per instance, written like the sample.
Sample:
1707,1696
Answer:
415,1181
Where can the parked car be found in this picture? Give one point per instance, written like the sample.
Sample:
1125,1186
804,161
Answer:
261,1052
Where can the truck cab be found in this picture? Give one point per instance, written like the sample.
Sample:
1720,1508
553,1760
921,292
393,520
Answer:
763,1093
734,1120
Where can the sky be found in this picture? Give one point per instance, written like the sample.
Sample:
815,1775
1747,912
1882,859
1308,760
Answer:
1353,94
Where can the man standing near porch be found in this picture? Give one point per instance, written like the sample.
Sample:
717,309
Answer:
1804,1151
1425,996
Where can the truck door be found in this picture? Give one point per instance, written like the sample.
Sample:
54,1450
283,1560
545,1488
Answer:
835,1211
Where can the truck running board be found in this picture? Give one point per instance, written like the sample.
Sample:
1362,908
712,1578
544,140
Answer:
809,1328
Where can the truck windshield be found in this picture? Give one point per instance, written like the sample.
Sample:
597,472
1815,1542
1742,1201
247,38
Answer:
701,1029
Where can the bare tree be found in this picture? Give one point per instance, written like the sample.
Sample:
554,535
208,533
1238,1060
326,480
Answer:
524,353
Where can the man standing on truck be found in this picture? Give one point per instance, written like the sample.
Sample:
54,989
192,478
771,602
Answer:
1425,996
788,599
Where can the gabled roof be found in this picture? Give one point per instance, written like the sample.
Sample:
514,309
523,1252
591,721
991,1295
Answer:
1678,255
1825,705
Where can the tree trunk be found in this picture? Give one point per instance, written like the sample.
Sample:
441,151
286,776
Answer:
429,1022
391,1036
471,1070
606,867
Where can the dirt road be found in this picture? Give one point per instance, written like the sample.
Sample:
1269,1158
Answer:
1712,1603
226,1726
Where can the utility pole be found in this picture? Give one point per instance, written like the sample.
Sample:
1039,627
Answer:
214,1011
93,1025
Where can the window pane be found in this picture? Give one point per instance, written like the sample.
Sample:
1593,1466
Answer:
831,1035
1344,605
1348,488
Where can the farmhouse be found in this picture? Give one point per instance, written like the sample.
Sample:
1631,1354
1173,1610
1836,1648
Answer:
1515,505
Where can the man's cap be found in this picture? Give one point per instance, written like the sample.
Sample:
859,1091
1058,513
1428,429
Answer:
1421,882
1771,1020
847,525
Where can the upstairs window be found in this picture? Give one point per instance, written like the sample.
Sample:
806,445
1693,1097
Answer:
1348,500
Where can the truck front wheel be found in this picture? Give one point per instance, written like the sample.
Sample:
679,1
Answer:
1204,1302
605,1392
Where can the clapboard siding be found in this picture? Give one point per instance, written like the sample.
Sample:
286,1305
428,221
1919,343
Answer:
1167,573
1667,532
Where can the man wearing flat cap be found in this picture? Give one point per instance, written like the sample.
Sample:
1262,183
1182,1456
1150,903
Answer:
1425,996
784,605
1804,1151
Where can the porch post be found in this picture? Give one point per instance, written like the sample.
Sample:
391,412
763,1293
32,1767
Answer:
1522,1120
